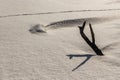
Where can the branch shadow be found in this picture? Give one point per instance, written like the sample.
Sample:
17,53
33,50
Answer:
88,57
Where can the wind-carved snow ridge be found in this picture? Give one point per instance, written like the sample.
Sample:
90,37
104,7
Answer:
37,29
76,22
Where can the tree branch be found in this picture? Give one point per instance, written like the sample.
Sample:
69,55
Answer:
92,34
91,44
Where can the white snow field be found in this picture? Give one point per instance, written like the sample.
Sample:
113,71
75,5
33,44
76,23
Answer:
36,55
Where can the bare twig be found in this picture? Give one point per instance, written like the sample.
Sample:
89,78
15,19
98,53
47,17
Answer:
90,43
92,33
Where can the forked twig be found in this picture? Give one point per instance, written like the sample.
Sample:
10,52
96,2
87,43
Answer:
90,43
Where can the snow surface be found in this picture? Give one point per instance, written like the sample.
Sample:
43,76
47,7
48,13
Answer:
44,56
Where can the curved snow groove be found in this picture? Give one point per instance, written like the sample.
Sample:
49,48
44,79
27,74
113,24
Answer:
71,11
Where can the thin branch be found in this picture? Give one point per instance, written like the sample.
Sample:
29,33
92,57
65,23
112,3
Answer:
92,34
91,44
83,34
82,27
